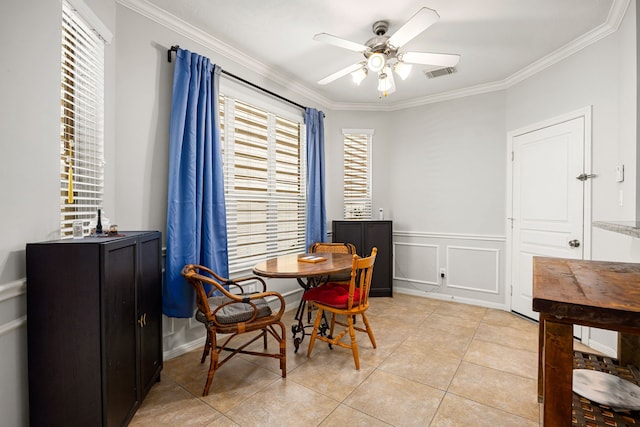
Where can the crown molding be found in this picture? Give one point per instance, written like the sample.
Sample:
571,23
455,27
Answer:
162,17
431,99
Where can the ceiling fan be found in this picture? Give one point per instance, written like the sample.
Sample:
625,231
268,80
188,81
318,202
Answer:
381,51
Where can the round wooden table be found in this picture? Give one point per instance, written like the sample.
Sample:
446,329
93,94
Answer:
294,266
310,269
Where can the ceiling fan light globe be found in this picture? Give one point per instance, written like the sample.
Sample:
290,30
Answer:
384,83
402,69
376,62
359,75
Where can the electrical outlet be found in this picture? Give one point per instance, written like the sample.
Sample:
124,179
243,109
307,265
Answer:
443,272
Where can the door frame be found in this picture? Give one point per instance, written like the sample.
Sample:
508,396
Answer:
586,114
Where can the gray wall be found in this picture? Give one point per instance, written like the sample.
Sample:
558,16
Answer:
29,168
439,169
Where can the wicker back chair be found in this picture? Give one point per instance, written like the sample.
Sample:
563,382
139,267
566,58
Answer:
343,248
224,308
348,300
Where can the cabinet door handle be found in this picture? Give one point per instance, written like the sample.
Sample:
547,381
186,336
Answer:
142,321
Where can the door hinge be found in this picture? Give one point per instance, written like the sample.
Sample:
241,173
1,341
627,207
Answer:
511,291
512,156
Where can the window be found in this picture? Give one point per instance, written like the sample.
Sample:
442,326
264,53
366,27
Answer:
264,165
81,120
357,173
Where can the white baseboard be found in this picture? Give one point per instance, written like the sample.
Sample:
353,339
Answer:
184,348
446,297
611,352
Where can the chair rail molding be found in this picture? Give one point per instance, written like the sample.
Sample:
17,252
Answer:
439,235
13,289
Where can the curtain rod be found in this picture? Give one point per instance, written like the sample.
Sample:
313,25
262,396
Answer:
174,48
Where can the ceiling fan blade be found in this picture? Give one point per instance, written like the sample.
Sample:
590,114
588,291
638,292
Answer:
338,74
419,22
337,41
425,58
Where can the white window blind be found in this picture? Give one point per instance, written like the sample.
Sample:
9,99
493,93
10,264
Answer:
81,122
264,166
357,174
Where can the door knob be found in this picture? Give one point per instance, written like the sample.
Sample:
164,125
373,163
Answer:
574,243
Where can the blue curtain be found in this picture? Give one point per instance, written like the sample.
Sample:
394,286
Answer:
196,215
316,215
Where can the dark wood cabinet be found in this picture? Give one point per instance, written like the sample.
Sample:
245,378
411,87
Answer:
365,235
94,329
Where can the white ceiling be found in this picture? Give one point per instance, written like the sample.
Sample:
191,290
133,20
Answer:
500,41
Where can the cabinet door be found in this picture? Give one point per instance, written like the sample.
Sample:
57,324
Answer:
349,232
150,311
378,234
119,331
63,312
366,235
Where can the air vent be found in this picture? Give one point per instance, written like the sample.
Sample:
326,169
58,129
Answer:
432,74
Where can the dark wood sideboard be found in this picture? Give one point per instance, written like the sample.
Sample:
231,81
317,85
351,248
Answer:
365,235
94,333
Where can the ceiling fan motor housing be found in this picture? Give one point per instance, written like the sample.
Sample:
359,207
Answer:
379,43
380,28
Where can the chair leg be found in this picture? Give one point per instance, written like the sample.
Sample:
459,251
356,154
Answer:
207,347
264,337
314,334
283,351
332,325
212,366
369,330
354,343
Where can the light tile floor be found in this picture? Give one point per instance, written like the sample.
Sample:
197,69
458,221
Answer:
438,363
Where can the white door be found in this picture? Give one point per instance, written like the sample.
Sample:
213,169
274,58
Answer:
547,202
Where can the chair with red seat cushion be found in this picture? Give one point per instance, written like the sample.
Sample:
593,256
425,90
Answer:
334,294
342,277
348,300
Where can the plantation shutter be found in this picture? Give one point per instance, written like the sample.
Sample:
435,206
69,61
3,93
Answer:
264,163
357,174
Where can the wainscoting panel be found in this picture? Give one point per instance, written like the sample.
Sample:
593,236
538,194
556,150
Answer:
13,307
13,353
473,267
417,263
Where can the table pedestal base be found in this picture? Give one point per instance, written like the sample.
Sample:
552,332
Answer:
298,328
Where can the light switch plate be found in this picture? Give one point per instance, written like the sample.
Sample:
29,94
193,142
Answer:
619,173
